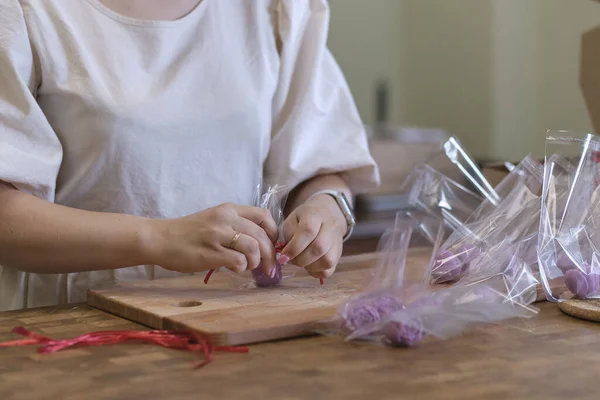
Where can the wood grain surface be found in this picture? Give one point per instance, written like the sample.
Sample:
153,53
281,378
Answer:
550,357
231,315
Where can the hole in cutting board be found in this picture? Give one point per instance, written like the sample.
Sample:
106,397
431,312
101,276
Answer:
189,303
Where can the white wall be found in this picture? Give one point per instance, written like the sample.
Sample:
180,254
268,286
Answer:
497,73
448,66
365,37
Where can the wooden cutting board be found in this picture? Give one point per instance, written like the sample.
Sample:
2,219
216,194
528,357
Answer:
234,315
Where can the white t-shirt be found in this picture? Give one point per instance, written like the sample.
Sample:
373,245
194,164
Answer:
166,118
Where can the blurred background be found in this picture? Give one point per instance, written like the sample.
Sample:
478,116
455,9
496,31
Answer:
495,73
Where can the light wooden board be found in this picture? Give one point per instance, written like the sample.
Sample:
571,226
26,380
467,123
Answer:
230,314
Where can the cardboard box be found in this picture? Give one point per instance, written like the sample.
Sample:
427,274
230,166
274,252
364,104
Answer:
496,172
397,159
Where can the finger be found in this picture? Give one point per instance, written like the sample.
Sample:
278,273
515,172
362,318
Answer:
304,234
318,248
248,246
289,227
325,266
261,217
266,250
230,259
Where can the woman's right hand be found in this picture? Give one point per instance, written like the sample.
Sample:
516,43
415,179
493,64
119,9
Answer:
201,241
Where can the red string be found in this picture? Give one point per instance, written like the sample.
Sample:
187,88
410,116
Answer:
178,340
208,275
278,248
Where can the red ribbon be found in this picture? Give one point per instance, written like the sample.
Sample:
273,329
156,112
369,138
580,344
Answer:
178,340
278,249
208,275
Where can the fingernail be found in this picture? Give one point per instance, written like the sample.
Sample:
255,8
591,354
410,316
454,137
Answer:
283,259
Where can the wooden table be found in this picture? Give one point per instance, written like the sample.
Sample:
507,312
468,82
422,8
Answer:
551,357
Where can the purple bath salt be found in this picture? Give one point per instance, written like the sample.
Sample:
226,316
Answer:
360,315
365,311
386,304
564,262
261,279
467,253
399,334
448,267
581,284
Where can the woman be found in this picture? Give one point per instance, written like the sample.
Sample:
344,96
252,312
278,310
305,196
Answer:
133,133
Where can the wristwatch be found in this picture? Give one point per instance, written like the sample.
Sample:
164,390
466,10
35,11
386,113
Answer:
345,207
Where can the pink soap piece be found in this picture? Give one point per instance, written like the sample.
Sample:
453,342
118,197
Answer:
448,267
399,334
261,279
580,284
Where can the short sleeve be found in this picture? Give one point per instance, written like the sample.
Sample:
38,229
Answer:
316,126
30,152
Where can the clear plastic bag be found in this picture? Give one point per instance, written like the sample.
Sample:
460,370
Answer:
458,155
393,310
272,198
568,242
514,219
434,197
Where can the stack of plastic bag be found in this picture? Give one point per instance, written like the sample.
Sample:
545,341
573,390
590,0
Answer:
395,308
513,220
456,153
435,197
569,230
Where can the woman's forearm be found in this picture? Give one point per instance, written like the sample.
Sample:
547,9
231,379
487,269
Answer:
322,182
39,236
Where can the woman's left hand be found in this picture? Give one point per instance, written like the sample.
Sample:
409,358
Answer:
314,234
